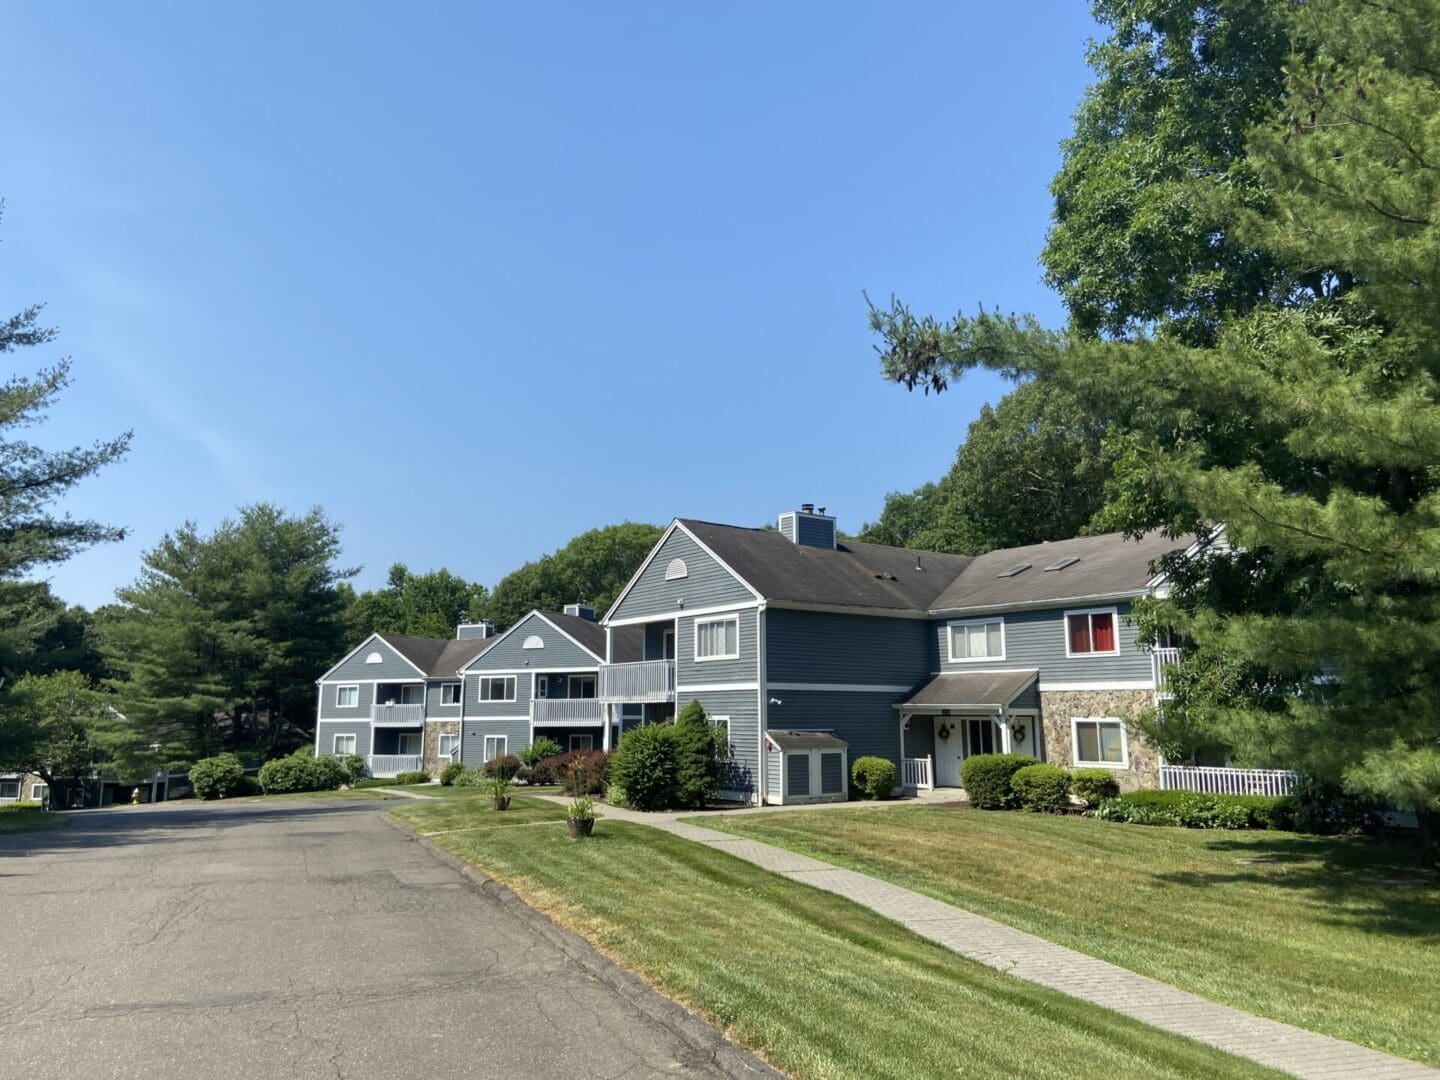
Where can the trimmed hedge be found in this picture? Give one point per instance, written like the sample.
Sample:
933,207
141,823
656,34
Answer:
412,776
873,777
646,769
1042,788
470,777
450,772
986,779
302,771
507,765
1094,785
216,777
1186,809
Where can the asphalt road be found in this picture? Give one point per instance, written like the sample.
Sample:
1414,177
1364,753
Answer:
257,941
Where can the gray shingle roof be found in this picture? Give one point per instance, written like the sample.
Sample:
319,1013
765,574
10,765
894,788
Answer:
438,657
805,740
971,689
588,633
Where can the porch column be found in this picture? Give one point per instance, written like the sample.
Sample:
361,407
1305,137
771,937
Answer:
1004,721
605,738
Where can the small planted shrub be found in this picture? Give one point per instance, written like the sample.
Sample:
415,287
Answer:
499,787
1094,785
1267,811
541,749
986,779
593,777
450,772
412,776
356,767
580,817
873,777
216,777
1327,809
468,777
646,767
1041,788
1185,809
507,765
701,747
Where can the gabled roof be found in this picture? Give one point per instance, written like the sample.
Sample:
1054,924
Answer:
970,690
586,633
434,658
458,652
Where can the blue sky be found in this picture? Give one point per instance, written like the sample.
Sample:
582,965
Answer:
476,279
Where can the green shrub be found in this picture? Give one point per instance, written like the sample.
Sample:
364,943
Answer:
1186,809
412,776
873,777
1041,787
356,767
372,782
216,777
468,777
542,748
302,771
249,785
1094,785
986,779
646,767
1327,809
701,746
450,772
1266,811
590,767
506,765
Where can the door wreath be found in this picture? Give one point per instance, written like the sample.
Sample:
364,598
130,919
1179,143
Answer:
943,732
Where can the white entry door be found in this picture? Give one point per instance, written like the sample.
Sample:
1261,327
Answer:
949,752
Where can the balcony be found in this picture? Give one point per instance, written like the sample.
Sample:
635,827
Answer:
567,712
386,765
397,715
1160,660
634,684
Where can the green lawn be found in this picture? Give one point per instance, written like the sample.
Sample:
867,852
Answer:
343,793
453,792
449,814
819,985
1331,935
28,817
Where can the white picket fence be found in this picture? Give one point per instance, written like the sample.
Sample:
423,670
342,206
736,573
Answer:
915,774
1213,780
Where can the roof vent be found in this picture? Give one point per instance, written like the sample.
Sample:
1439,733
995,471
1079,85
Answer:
1069,560
1014,571
581,611
468,630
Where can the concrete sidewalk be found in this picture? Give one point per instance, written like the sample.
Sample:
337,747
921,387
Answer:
1281,1046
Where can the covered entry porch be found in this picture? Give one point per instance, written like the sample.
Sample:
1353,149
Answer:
955,716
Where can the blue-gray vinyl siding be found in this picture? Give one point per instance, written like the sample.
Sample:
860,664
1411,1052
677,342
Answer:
920,738
706,584
655,639
473,732
433,709
391,666
1036,639
510,653
819,647
689,672
331,711
742,707
329,729
864,720
474,707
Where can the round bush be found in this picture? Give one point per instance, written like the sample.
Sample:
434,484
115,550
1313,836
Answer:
216,777
542,748
986,779
356,767
328,773
302,771
1094,785
1041,787
412,776
468,777
646,767
507,765
873,777
450,772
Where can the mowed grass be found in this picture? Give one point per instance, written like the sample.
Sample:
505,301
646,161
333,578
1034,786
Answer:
1338,936
820,986
452,791
28,817
317,796
449,814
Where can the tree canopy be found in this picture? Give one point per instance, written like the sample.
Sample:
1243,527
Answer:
421,605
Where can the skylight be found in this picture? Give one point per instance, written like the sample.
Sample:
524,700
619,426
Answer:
1011,571
1069,560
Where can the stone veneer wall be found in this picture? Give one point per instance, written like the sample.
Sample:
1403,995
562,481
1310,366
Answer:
1058,707
433,730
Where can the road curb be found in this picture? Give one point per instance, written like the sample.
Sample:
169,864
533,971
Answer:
696,1032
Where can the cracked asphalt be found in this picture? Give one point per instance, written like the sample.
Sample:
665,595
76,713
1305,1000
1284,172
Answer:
187,940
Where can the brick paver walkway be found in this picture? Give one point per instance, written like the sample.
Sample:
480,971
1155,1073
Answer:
1269,1042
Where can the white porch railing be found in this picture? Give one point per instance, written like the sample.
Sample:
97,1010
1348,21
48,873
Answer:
1213,780
383,765
554,712
1160,660
648,680
397,715
916,774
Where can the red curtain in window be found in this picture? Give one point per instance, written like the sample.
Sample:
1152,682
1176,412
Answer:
1079,633
1102,632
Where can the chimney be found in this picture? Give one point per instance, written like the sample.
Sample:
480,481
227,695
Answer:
808,527
581,611
468,631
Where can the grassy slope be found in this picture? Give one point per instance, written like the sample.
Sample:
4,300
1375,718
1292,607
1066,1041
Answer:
822,987
442,816
1312,931
28,817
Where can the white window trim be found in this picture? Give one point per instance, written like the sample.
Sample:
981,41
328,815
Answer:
581,735
440,744
347,686
1076,721
570,684
724,721
951,627
512,689
503,740
401,738
458,688
38,786
335,744
735,618
1115,624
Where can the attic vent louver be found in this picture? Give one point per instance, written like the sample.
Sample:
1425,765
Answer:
1012,571
1069,560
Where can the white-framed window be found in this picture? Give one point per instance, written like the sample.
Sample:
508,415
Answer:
39,790
450,693
347,697
448,743
9,790
1100,740
542,686
582,742
1095,632
725,751
497,688
343,744
717,638
582,686
977,639
408,742
495,746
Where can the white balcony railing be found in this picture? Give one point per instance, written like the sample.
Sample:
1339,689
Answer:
916,775
648,680
383,765
1160,661
1213,780
397,715
568,712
